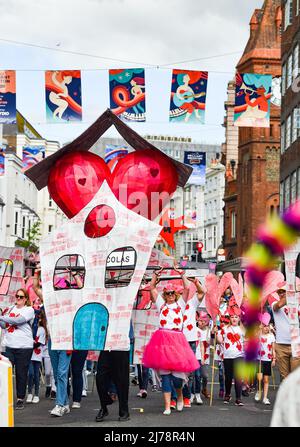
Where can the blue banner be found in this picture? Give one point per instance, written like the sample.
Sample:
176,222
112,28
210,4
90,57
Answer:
197,160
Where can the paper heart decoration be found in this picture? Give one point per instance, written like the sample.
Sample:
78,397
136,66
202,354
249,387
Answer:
165,312
184,318
263,340
187,307
143,181
37,351
189,327
270,356
177,320
227,345
177,310
269,347
206,356
262,353
163,322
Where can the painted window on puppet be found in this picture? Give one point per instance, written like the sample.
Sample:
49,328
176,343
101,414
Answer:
120,266
69,272
6,271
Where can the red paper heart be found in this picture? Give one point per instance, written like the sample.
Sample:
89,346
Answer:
37,351
206,356
100,221
177,320
227,345
184,318
141,179
163,322
189,327
269,347
75,179
187,307
270,356
177,310
165,312
262,353
263,340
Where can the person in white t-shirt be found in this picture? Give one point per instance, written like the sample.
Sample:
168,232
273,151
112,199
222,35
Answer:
284,359
232,339
40,341
266,356
286,411
18,340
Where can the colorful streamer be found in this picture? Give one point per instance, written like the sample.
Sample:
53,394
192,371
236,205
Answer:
32,155
8,111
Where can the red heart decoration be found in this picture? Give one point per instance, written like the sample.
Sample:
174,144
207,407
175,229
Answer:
163,322
100,221
177,310
184,318
177,320
270,356
262,353
165,312
269,347
37,351
227,345
263,340
75,179
206,356
189,327
187,307
144,181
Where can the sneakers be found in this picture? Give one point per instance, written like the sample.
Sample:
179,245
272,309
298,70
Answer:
53,395
192,398
186,403
239,403
19,404
29,398
154,388
173,404
142,393
67,409
167,412
76,405
205,393
227,399
180,404
84,393
58,411
266,401
245,393
48,392
101,415
257,396
221,394
88,372
199,401
35,400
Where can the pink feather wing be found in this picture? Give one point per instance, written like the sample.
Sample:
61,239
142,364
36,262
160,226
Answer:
212,298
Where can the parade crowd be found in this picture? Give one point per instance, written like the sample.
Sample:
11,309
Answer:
176,360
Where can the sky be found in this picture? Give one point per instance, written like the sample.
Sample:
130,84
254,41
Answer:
158,35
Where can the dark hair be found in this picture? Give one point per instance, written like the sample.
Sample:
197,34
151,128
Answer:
43,322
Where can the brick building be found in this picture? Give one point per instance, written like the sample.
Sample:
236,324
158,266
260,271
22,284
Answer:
290,122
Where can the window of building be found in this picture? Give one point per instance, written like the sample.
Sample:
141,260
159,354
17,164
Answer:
66,269
233,225
214,237
23,226
50,202
295,125
289,70
50,227
287,191
296,61
298,183
120,266
281,196
288,13
283,79
205,239
282,149
293,186
16,222
297,7
288,132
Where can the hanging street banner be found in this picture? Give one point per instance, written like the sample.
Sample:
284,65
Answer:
32,155
63,96
127,94
252,100
8,109
2,160
188,96
197,160
113,154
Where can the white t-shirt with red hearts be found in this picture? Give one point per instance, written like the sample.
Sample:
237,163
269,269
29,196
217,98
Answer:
204,337
282,325
37,354
265,348
170,315
189,317
233,342
19,336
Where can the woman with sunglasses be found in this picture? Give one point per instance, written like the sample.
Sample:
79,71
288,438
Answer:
18,340
168,350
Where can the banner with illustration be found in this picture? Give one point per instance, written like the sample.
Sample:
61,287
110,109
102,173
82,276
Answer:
2,160
127,94
197,160
188,96
114,153
32,155
11,274
63,96
8,109
252,100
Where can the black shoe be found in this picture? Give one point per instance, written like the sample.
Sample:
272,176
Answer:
48,391
19,405
53,395
124,418
101,415
245,393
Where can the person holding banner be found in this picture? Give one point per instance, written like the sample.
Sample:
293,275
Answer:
18,340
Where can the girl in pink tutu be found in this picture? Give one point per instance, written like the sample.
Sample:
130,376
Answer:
168,350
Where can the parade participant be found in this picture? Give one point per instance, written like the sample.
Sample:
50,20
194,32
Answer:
286,412
219,354
232,338
40,340
284,359
18,340
76,366
168,350
205,337
266,356
143,379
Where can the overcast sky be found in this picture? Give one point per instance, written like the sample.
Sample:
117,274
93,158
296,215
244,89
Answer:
145,32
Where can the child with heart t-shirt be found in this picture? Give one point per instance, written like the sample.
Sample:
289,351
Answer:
266,356
232,339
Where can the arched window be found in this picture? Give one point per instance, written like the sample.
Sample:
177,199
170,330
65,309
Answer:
69,272
120,266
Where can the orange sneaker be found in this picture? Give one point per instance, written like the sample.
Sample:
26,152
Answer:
186,402
173,404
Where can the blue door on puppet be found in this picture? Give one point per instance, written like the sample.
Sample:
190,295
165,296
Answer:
90,327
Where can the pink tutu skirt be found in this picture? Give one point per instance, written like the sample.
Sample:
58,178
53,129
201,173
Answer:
169,350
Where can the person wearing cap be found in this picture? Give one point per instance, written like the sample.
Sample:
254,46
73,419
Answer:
266,356
168,350
285,361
